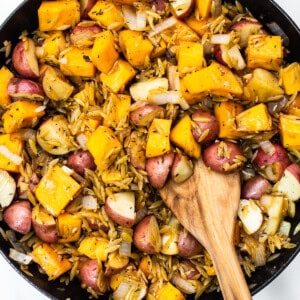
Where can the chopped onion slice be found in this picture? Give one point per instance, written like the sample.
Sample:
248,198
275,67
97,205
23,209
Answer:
173,77
16,159
125,248
267,147
122,291
162,26
82,139
220,39
89,202
19,257
186,286
164,97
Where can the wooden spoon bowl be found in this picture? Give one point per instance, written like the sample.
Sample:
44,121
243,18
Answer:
206,205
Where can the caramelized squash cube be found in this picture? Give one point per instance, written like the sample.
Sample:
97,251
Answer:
204,8
56,189
5,76
181,135
290,77
76,62
264,51
289,128
58,15
294,108
69,227
94,247
50,261
170,292
104,53
158,140
22,114
253,119
121,73
104,146
11,148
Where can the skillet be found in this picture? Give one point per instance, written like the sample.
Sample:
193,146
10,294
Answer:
270,14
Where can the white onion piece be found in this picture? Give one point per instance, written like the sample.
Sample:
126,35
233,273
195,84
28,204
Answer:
220,39
122,290
141,20
82,139
135,20
125,248
183,285
267,147
19,257
173,77
16,159
162,26
89,202
167,97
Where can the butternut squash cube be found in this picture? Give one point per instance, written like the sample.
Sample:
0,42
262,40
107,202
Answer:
290,77
5,76
69,227
200,26
188,97
225,113
289,128
255,118
121,73
11,148
22,114
158,140
262,86
116,109
264,51
50,261
104,53
214,79
104,146
294,108
135,47
107,15
159,49
77,62
170,292
56,189
181,135
58,15
190,57
203,7
94,247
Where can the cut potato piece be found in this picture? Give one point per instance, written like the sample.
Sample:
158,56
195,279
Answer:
7,187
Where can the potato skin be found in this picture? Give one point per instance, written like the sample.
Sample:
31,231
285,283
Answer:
143,116
18,216
81,35
224,157
27,88
187,244
255,187
81,160
202,122
46,232
158,169
85,7
88,274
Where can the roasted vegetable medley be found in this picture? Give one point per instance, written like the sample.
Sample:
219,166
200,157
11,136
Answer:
107,100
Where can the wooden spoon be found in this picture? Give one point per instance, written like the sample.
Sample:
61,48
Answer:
206,205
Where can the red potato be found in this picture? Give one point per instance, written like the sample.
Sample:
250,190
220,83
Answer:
271,165
84,34
182,8
85,7
25,88
245,28
144,115
159,5
81,160
7,187
190,269
24,59
120,207
205,127
18,216
91,274
44,225
182,168
255,187
115,264
187,244
146,235
289,183
158,169
224,157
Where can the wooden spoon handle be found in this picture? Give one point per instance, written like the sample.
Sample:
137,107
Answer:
229,272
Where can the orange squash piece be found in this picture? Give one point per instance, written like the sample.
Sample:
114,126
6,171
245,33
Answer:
5,76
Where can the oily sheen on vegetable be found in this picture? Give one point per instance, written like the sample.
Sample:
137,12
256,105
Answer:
106,101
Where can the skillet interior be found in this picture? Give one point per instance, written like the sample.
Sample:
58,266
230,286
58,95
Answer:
24,17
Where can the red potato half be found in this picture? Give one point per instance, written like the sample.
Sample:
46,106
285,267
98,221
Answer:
182,8
182,168
271,165
18,216
144,115
120,207
25,88
158,169
187,244
224,157
24,59
146,235
83,35
255,187
81,160
44,225
205,127
7,187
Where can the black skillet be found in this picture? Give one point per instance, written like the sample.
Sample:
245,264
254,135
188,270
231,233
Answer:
24,17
